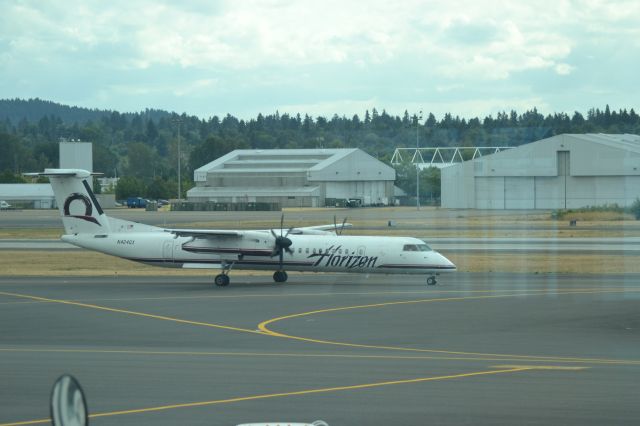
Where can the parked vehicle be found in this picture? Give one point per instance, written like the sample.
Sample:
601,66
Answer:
354,202
136,202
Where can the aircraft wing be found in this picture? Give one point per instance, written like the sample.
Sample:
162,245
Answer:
207,233
226,242
319,229
212,233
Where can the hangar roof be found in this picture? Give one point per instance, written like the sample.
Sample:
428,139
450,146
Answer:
625,141
314,162
275,159
590,154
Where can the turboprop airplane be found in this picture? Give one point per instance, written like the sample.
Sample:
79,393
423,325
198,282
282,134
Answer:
314,249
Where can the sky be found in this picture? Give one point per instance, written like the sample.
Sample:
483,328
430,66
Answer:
244,57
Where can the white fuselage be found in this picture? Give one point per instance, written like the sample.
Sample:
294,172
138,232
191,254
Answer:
314,253
314,248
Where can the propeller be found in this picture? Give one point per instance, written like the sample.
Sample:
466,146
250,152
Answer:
282,243
335,225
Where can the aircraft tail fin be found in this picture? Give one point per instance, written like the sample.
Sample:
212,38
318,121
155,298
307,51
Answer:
80,210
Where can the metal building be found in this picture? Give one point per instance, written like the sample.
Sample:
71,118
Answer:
76,155
560,172
295,178
28,195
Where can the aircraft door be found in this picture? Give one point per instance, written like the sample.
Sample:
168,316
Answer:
167,251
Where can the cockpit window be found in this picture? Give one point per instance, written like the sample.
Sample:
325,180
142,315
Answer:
416,247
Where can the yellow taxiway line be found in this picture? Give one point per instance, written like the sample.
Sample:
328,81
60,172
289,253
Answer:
134,313
513,369
264,327
264,330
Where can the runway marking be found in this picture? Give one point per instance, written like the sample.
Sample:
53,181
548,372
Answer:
22,302
134,313
544,367
270,354
264,330
263,326
272,295
541,291
288,394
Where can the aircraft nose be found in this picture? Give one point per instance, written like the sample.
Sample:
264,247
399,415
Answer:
446,262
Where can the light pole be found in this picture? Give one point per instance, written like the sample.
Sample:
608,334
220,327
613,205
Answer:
418,120
178,121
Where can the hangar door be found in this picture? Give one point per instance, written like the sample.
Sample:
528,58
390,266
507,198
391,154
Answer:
519,193
563,172
505,192
489,192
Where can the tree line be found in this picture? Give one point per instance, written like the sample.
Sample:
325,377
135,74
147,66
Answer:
143,147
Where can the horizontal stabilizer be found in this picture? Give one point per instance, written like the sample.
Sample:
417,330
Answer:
79,173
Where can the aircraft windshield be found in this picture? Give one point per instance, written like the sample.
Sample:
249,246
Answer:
416,247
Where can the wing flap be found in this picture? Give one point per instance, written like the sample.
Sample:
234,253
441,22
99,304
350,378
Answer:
206,233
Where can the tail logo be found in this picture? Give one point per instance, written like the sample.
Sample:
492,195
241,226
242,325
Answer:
88,208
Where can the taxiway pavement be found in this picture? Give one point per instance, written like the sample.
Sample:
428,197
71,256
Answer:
494,349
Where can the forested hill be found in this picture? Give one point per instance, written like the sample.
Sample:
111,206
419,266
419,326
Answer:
144,145
33,110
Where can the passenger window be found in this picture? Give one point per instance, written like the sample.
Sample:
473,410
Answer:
306,250
320,251
314,251
299,249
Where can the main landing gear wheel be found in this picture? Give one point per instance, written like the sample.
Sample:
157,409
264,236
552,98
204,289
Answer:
280,276
431,281
222,280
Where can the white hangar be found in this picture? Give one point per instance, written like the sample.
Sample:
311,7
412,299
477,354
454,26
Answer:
560,172
295,178
28,195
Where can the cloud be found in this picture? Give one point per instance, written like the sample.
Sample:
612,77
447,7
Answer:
253,34
564,69
275,54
